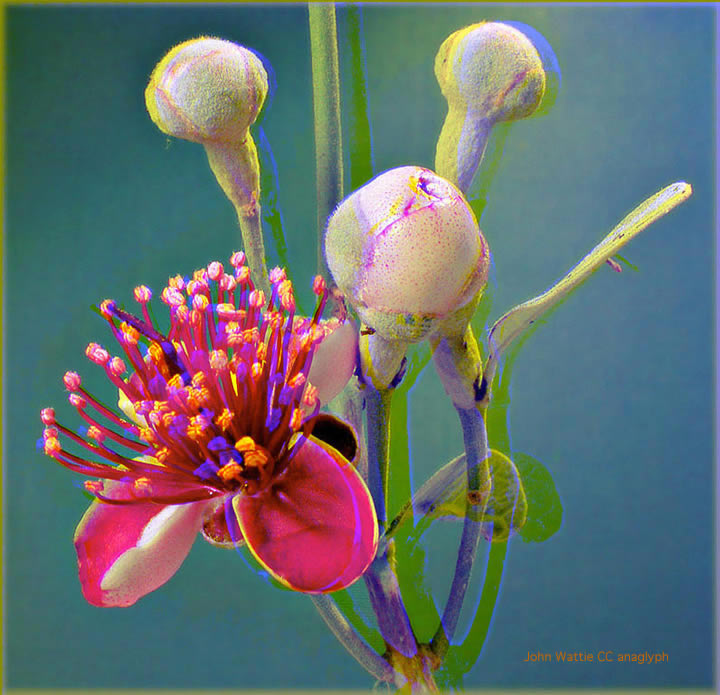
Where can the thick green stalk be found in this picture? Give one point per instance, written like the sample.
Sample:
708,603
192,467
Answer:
359,134
380,577
409,555
326,107
377,403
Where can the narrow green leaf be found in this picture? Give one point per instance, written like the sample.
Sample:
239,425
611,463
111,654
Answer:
516,322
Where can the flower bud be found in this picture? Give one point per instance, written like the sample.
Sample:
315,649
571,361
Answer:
488,72
406,251
210,91
207,89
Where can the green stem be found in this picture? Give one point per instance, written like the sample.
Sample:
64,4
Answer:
359,134
373,663
326,106
477,454
378,440
251,230
380,577
460,658
237,170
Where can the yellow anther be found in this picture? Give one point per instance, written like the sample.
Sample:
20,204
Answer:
229,313
130,334
234,339
194,432
158,358
93,486
218,359
52,446
95,433
242,274
197,427
257,370
194,398
306,341
224,420
200,420
258,458
274,319
200,302
230,471
162,454
143,486
203,395
104,309
297,381
147,435
177,282
50,433
310,396
285,290
296,419
198,379
245,444
175,382
256,298
251,335
155,352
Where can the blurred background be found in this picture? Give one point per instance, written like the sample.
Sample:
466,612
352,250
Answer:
614,395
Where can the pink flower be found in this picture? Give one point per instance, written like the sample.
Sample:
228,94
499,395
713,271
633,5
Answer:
224,438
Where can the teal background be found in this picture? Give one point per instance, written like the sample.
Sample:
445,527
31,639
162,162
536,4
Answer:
614,395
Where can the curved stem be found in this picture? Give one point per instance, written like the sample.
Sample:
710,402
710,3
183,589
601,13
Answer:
326,107
462,657
477,454
373,663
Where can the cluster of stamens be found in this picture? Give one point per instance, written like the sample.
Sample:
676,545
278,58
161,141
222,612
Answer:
213,405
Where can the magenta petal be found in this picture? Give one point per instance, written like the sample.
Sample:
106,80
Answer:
128,550
334,361
314,529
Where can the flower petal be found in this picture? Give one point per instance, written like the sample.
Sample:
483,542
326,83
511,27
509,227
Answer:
314,528
219,527
128,550
334,362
